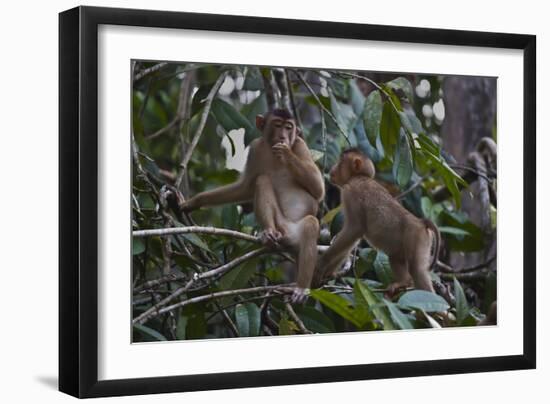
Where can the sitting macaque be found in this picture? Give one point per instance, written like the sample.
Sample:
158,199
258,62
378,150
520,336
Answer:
371,212
285,186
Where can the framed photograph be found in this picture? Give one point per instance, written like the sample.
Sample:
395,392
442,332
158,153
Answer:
252,201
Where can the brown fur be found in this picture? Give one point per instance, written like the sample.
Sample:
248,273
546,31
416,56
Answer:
371,212
285,186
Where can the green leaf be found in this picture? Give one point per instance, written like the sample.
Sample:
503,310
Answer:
229,118
230,217
149,334
258,106
343,113
330,215
473,241
248,319
287,327
405,121
315,320
196,325
382,268
462,308
196,240
403,164
400,319
253,80
357,98
365,296
181,327
423,300
340,306
238,277
401,83
138,245
373,116
337,223
389,129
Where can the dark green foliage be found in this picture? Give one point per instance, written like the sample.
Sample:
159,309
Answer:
386,124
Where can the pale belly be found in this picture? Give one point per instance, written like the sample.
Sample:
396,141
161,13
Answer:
294,201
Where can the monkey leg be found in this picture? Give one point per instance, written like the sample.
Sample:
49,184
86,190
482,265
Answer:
303,236
268,213
337,253
401,276
419,267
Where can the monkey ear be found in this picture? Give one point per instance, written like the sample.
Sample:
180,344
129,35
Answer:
357,164
260,121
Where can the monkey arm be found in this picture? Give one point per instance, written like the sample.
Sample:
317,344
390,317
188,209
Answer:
240,191
304,170
340,248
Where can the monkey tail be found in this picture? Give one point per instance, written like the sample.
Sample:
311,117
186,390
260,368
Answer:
437,236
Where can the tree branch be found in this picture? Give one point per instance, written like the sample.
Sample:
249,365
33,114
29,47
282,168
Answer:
279,289
205,230
296,319
149,70
202,122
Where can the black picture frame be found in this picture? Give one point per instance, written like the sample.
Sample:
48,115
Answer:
78,196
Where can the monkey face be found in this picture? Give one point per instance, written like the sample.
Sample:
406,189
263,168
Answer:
340,173
278,127
279,130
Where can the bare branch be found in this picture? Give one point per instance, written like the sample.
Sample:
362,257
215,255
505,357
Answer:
202,122
213,272
296,319
205,230
195,229
410,189
279,289
149,70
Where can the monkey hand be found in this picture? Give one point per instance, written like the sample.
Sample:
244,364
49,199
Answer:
282,151
187,206
299,295
271,237
394,288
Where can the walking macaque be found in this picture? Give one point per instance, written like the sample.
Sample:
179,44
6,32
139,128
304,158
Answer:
371,212
285,186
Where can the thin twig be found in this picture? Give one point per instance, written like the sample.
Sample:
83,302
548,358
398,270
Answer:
410,189
227,319
312,92
208,274
280,289
450,270
292,100
470,169
202,122
195,229
149,70
197,277
296,319
206,230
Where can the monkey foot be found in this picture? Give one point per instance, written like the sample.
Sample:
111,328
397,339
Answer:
271,237
299,295
395,288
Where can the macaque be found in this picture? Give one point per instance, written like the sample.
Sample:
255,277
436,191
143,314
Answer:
371,212
285,186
